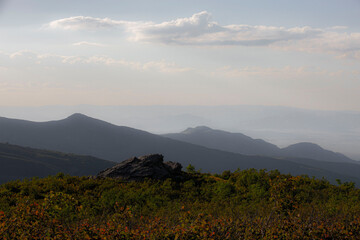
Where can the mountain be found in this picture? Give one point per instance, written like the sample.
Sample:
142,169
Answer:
79,134
313,151
240,143
222,140
21,162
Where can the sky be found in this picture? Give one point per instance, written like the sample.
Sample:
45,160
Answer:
303,54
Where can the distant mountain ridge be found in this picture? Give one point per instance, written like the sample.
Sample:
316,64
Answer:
80,134
21,162
231,142
335,130
240,143
314,151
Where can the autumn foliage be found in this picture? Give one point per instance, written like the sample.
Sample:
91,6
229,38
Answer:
247,204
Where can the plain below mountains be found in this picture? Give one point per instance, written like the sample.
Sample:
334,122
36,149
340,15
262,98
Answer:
240,143
79,134
21,162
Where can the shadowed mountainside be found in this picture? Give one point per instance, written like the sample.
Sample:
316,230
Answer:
83,135
20,162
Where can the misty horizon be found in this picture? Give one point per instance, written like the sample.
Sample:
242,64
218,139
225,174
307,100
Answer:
282,126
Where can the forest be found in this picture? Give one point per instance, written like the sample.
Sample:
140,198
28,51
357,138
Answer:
245,204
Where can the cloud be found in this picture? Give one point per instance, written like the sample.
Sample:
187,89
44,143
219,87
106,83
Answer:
101,60
29,57
201,30
158,66
83,23
24,54
344,45
84,43
179,31
284,73
338,27
164,67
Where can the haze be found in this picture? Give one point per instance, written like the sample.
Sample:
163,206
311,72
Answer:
289,53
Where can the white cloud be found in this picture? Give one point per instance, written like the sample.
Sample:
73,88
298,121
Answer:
162,66
83,23
29,57
180,31
342,44
287,73
158,66
101,60
84,43
338,27
200,29
24,54
197,29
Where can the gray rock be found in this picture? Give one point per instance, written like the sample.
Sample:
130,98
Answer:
149,166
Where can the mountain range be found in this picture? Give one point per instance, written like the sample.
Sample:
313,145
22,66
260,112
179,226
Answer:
240,143
335,130
80,134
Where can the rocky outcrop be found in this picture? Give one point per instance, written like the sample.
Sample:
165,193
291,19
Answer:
149,166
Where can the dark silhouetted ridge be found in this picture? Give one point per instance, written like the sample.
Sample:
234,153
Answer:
20,162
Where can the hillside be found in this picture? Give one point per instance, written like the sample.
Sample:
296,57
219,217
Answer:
79,134
20,162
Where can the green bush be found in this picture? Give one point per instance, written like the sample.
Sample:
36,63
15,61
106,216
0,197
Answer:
245,204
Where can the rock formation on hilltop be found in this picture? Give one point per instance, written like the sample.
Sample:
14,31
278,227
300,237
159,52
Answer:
149,166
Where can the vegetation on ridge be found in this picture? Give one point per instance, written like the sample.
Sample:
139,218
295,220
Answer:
247,204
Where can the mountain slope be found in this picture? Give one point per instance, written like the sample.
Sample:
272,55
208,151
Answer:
80,134
20,162
313,151
240,143
222,140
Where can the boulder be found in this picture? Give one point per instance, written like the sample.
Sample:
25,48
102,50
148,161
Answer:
149,166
